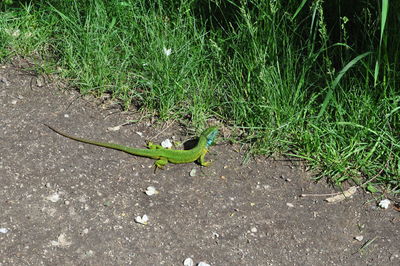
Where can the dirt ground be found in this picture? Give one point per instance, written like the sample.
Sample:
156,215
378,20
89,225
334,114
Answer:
67,203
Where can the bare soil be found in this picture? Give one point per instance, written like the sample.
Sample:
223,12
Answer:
67,203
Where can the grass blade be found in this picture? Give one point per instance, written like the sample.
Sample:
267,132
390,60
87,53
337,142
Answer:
385,8
337,80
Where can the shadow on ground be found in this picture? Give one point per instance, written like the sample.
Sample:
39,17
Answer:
67,203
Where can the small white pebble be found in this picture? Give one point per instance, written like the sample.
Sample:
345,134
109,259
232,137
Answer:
142,220
166,144
384,204
116,128
139,133
253,230
202,263
66,115
290,205
188,262
61,241
359,238
150,191
53,197
14,102
193,172
215,235
89,253
39,82
3,230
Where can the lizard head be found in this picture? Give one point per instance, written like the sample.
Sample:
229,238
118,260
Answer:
210,134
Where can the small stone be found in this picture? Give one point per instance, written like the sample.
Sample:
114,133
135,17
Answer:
3,230
142,220
290,205
359,238
253,230
150,191
89,253
53,197
39,82
188,262
193,172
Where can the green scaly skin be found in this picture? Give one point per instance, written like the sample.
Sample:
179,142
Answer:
161,155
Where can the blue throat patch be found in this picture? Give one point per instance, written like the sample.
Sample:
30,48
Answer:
211,138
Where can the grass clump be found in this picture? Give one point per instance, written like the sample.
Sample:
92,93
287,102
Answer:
313,79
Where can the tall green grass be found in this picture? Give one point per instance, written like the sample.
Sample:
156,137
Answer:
294,78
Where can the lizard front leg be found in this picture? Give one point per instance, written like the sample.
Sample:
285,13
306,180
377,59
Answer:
201,158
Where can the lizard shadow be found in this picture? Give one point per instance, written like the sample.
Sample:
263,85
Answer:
190,144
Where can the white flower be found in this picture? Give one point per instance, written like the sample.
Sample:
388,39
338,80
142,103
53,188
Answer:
384,204
166,144
167,52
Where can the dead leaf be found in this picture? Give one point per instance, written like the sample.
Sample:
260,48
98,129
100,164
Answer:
61,241
346,194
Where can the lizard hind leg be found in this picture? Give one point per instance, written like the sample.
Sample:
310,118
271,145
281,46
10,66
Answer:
152,146
160,163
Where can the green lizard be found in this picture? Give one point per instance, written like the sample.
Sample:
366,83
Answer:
162,155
